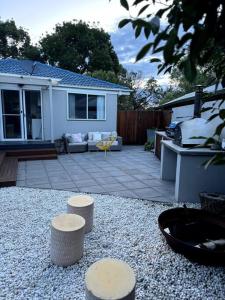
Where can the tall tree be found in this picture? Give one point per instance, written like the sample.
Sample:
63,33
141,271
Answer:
181,86
79,47
15,42
192,34
142,96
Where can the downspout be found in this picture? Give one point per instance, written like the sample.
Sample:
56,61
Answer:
51,111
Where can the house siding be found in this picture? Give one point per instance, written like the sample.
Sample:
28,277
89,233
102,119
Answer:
63,125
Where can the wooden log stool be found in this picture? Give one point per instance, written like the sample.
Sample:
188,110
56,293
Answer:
82,205
111,279
67,239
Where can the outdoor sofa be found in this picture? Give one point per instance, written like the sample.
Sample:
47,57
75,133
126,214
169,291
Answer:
77,142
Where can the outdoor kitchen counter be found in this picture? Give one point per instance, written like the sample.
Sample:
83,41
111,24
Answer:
159,137
185,167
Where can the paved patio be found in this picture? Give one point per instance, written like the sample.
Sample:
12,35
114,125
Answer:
130,173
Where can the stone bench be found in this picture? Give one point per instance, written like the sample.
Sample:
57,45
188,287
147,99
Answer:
82,205
110,278
67,239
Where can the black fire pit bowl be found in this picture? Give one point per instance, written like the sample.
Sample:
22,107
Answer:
187,230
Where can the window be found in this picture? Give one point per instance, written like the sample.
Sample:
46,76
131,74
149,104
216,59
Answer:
86,107
77,106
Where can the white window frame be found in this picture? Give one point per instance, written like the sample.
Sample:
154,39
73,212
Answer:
87,94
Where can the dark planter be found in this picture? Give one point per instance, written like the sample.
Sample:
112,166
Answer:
186,229
59,145
213,202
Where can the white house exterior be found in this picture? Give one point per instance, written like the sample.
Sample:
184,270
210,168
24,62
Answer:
41,102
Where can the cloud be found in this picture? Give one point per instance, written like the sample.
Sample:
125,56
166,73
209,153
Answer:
127,47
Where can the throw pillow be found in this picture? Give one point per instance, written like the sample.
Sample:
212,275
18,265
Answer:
90,136
76,138
106,135
97,136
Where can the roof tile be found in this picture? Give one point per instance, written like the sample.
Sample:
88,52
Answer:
33,68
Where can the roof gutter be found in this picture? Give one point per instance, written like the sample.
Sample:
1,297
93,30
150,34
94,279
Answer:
190,100
119,91
28,79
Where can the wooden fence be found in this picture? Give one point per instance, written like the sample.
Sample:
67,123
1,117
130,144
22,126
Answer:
133,125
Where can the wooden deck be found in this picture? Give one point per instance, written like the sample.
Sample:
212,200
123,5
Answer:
11,153
33,154
8,170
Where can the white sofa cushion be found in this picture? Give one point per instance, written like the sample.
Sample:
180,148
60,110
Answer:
106,135
76,138
90,136
97,136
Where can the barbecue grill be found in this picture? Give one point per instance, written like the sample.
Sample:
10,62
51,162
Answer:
194,131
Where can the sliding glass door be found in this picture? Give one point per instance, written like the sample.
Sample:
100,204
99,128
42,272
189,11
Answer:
32,115
21,115
12,115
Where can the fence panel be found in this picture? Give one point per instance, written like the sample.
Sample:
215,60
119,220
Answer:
133,125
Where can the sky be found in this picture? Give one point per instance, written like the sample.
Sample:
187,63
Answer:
40,16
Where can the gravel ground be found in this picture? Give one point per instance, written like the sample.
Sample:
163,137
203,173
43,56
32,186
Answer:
124,228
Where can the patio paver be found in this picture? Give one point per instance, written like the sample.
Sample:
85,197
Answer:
130,173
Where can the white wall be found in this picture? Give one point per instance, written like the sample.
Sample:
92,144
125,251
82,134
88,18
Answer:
63,125
60,122
182,113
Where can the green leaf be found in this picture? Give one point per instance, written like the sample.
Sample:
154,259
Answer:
138,31
168,52
198,137
155,59
204,109
147,31
160,12
189,70
143,9
155,24
143,51
209,162
125,4
222,114
218,159
222,101
185,38
158,49
212,117
209,141
219,129
124,22
160,37
168,70
136,2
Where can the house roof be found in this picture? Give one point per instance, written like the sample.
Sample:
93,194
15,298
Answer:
68,78
189,98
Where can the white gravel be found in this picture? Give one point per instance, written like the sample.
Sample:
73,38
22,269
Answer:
124,228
